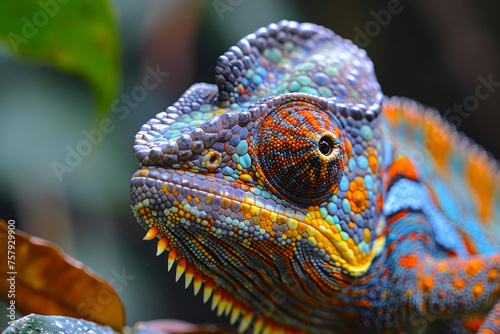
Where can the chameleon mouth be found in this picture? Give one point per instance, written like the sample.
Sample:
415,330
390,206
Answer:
186,193
223,302
195,272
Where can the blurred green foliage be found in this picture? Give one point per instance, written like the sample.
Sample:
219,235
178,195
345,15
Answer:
76,36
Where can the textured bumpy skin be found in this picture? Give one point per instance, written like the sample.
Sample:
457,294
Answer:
305,201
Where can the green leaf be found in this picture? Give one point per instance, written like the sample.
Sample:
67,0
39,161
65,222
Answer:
35,323
76,36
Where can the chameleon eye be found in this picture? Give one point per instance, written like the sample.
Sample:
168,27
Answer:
300,152
325,145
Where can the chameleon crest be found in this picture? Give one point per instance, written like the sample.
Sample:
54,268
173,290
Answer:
306,202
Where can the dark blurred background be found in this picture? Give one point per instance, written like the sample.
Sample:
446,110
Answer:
435,52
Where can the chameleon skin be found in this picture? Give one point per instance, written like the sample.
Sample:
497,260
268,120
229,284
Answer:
305,201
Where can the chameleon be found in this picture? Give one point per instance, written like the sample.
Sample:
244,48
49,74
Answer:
303,200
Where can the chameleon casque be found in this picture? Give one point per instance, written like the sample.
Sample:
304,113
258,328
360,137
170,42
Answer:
303,200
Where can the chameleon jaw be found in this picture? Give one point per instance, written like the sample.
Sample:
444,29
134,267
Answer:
224,302
338,249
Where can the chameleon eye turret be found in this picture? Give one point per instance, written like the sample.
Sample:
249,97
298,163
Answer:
289,190
300,152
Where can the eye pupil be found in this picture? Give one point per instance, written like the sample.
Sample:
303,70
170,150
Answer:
325,145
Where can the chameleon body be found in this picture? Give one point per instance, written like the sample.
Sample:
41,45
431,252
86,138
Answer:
303,200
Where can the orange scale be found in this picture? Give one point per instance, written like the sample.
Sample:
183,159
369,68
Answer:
353,186
473,324
493,274
442,266
373,163
473,267
348,148
427,284
477,290
459,284
359,197
360,182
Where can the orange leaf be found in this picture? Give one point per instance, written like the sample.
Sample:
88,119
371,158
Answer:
49,282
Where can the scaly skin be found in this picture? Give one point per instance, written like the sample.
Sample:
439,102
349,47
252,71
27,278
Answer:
310,203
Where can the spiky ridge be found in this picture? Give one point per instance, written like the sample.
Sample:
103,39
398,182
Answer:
444,146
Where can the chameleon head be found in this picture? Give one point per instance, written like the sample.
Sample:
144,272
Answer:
266,187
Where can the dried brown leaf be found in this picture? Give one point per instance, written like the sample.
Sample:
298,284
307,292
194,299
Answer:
49,282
